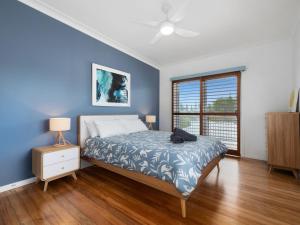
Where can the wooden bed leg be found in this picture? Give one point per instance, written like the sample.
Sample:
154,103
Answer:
218,166
183,207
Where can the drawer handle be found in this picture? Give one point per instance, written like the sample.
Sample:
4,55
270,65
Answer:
63,168
63,156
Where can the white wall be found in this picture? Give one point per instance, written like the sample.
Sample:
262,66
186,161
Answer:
266,86
297,56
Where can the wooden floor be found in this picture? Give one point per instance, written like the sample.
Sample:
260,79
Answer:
242,193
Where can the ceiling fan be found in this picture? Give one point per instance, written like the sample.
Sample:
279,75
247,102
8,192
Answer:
169,25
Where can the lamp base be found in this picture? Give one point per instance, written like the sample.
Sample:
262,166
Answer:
60,140
150,126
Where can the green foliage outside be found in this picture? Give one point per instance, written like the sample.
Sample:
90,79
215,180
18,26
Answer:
227,104
185,121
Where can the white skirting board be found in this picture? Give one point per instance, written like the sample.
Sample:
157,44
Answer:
17,184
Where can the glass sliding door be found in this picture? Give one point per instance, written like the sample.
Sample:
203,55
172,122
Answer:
221,109
186,106
209,106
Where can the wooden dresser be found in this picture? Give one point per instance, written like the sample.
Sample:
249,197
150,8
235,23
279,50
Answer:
284,141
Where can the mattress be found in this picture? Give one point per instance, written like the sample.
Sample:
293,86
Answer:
152,153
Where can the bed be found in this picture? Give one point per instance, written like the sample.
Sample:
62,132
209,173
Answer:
150,158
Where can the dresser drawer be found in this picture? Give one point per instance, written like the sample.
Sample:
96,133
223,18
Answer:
60,156
60,168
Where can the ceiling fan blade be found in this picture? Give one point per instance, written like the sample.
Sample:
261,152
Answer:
185,33
179,13
149,23
156,38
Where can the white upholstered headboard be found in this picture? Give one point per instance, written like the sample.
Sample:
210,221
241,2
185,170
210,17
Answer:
82,129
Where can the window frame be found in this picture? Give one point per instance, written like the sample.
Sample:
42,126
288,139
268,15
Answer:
201,113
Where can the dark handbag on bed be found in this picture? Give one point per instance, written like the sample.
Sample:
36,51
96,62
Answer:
185,135
176,139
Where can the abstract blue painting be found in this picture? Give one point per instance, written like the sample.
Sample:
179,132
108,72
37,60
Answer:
110,87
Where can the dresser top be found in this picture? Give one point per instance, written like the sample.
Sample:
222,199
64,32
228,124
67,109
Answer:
52,148
283,112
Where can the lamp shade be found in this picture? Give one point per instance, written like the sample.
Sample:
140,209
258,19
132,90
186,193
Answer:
59,124
150,118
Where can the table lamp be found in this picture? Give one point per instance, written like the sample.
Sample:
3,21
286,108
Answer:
150,119
59,125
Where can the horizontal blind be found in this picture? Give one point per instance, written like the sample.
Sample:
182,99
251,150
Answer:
223,128
186,102
220,107
220,95
189,123
186,97
209,106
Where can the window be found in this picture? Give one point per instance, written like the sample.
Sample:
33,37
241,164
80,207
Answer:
209,106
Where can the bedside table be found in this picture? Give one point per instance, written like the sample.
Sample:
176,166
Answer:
51,162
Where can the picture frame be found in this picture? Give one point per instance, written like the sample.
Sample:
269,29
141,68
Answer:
110,87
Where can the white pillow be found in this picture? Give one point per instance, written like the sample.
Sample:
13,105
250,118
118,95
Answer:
108,128
91,129
135,125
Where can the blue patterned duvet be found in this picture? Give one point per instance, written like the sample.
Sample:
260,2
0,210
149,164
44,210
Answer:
152,153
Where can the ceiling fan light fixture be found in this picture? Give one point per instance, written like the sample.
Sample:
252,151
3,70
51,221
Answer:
167,28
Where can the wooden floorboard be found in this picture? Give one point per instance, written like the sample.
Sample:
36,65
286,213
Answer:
242,193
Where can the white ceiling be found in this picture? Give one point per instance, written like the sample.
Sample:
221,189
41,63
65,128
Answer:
222,24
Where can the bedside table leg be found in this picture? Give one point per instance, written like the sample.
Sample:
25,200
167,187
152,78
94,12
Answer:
295,172
270,169
74,176
45,186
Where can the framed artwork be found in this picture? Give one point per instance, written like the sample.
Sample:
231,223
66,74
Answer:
110,87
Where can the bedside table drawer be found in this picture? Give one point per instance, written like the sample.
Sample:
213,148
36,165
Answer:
60,156
60,168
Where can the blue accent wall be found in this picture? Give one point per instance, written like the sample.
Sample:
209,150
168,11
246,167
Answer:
45,71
